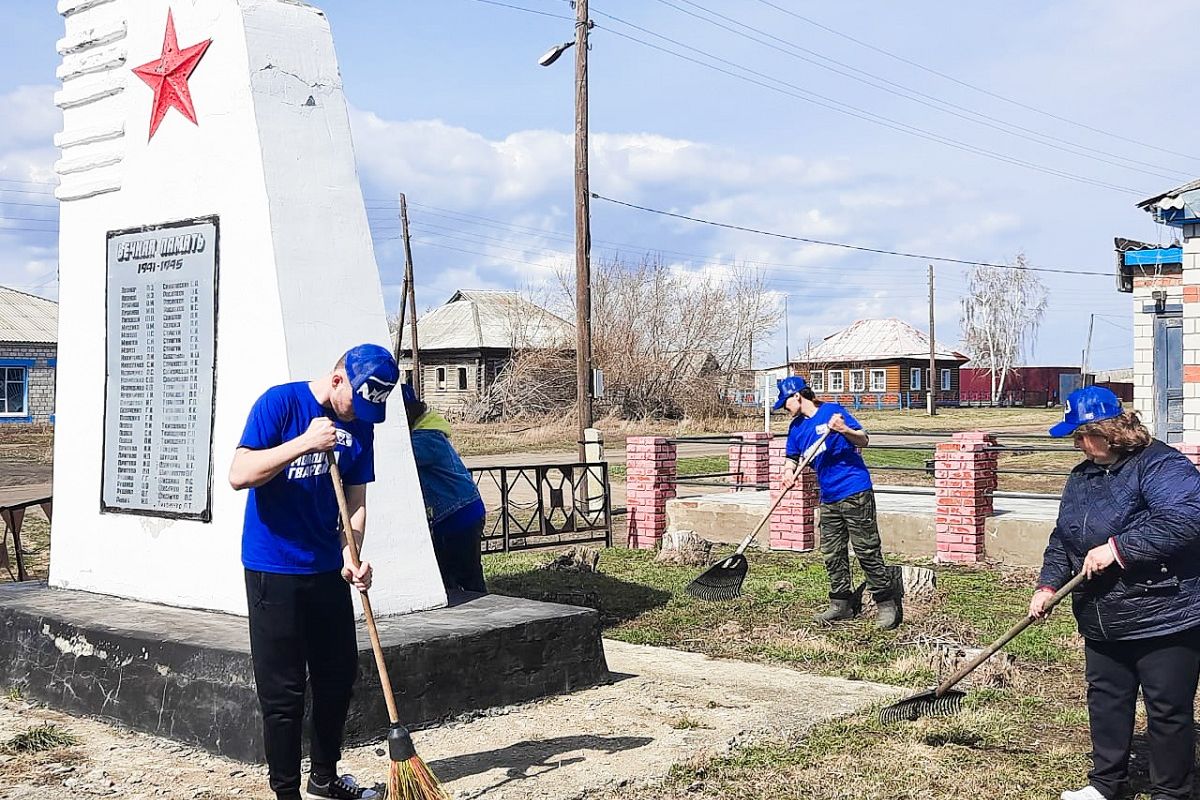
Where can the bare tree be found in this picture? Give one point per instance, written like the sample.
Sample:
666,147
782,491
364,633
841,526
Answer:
670,340
1001,313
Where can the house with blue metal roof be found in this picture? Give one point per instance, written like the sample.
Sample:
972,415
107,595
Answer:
28,357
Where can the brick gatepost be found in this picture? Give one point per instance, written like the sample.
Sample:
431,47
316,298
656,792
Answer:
752,458
649,483
793,525
964,480
1192,451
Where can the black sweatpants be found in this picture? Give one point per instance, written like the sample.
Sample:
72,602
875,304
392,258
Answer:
301,626
1166,669
460,558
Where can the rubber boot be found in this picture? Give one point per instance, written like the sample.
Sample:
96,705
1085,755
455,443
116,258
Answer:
839,609
889,612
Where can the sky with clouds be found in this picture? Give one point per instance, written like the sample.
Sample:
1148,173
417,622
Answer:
954,130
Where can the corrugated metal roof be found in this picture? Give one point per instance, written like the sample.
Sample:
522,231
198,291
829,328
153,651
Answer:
1169,199
27,318
876,340
477,319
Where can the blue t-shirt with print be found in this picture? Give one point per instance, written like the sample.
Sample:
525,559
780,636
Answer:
292,524
840,470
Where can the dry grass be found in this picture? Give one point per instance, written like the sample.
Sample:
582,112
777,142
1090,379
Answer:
1026,741
29,443
35,540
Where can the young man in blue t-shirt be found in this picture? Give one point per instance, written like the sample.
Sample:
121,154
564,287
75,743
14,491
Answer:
298,574
847,500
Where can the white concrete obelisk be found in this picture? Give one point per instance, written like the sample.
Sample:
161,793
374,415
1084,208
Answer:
214,242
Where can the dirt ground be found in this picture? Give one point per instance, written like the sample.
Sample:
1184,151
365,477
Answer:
664,707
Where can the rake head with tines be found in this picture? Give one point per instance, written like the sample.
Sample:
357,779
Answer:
925,704
945,701
721,581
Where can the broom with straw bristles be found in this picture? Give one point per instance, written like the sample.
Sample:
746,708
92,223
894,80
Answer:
409,777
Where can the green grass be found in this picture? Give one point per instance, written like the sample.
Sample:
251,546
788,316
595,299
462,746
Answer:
1025,741
43,737
695,465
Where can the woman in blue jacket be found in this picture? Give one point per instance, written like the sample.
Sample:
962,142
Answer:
452,502
1130,519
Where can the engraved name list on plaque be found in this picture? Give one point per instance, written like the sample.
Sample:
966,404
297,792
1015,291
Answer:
161,306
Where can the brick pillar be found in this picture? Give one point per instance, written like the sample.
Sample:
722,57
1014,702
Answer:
649,481
751,457
793,525
1192,451
1191,336
964,479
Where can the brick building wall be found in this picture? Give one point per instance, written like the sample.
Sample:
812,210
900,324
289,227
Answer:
1143,338
39,377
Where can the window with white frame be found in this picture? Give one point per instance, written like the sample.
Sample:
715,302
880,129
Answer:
14,391
816,381
837,380
441,378
914,378
462,378
858,381
945,380
879,380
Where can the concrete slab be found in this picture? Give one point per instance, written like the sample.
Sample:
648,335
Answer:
187,674
1016,533
666,707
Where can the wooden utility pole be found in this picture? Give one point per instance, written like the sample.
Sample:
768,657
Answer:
933,376
583,233
1087,353
410,297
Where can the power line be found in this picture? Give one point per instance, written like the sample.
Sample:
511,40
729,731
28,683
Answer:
526,10
972,86
845,245
831,104
923,98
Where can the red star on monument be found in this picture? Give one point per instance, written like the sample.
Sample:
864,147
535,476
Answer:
168,76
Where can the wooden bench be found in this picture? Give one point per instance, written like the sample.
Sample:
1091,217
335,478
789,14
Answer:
14,500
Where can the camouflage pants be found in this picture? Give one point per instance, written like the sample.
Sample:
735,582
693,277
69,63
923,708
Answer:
852,523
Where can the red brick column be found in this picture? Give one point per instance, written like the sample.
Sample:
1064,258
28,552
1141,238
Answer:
964,479
793,525
649,481
752,458
1192,451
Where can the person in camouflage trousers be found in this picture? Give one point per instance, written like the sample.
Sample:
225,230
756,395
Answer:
848,517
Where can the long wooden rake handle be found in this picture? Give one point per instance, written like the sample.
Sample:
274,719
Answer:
1013,633
348,535
809,455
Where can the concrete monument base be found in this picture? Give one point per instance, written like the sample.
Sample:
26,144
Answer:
187,675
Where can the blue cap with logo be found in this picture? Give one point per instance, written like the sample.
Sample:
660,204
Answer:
788,387
373,374
1089,404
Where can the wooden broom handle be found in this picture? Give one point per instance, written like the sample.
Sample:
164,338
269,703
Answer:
1013,632
352,545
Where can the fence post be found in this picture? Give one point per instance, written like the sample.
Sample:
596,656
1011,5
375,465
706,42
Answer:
750,459
649,480
793,525
1192,451
964,480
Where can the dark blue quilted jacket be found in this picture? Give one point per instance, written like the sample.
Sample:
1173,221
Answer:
1148,503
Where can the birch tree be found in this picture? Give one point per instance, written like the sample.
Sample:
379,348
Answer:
1001,313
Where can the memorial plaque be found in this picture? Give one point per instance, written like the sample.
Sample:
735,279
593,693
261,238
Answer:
161,366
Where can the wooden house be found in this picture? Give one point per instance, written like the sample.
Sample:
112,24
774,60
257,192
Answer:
880,363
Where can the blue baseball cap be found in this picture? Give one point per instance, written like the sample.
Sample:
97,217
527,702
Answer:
788,387
1089,404
373,374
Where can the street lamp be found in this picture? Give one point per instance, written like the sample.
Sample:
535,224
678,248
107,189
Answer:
583,233
552,54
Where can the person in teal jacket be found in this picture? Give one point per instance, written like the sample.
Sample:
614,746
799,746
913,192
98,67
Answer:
452,503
